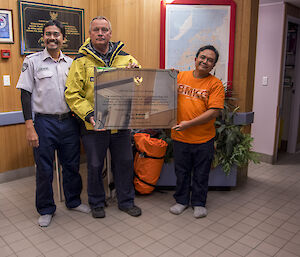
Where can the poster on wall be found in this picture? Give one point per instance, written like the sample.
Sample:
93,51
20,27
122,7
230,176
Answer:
187,25
6,26
33,16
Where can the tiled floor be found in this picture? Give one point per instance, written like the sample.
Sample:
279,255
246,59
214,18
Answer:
261,218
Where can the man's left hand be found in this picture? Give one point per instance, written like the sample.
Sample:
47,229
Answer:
132,65
182,125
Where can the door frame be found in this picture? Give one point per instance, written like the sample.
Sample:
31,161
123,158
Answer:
293,136
295,105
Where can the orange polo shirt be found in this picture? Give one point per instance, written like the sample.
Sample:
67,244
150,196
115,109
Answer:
196,96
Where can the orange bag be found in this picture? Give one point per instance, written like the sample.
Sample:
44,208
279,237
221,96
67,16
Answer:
148,161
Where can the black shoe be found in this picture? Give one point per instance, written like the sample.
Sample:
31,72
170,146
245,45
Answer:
98,212
134,210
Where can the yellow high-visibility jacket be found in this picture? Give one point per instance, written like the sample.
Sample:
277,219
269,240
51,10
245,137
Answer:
79,93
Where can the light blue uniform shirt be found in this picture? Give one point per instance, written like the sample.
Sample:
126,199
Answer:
45,79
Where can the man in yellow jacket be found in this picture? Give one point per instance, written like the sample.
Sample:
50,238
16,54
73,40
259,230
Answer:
99,51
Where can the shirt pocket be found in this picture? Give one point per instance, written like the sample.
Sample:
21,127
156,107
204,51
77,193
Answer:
44,81
44,74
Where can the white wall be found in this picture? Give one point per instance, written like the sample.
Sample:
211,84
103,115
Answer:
268,63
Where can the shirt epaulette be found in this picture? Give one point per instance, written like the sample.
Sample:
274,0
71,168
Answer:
32,55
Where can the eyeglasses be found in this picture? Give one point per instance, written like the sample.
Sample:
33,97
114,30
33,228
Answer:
209,60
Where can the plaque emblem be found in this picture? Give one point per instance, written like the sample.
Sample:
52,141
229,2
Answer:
53,15
138,81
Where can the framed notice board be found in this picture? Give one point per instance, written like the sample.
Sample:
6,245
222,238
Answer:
6,26
186,25
33,16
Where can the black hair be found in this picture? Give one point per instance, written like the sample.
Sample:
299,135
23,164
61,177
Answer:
208,47
57,24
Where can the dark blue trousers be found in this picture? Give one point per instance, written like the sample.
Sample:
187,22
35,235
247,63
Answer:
192,166
119,144
62,135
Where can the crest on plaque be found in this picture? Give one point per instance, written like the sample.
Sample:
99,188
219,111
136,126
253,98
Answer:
53,15
138,80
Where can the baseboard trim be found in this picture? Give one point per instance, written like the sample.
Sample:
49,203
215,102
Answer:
266,158
17,174
11,175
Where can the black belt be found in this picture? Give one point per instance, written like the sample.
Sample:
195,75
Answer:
62,116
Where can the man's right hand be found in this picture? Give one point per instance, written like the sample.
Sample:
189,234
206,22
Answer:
31,135
92,121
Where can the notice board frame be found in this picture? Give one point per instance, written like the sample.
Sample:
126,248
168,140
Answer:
163,25
32,17
6,26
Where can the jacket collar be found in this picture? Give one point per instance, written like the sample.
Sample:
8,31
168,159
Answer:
87,49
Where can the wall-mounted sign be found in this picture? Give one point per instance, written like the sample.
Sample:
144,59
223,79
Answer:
6,26
33,16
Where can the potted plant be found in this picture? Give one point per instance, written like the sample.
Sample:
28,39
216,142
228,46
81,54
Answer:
239,118
232,149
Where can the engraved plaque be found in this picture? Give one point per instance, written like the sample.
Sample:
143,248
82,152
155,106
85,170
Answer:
135,98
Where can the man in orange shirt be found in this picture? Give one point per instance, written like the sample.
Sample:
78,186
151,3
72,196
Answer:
200,98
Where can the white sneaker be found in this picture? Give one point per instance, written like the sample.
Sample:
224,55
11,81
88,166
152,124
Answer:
178,208
199,212
82,208
44,220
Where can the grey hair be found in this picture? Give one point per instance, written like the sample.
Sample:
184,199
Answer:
100,18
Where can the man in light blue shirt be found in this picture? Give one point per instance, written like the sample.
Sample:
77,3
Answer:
42,84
